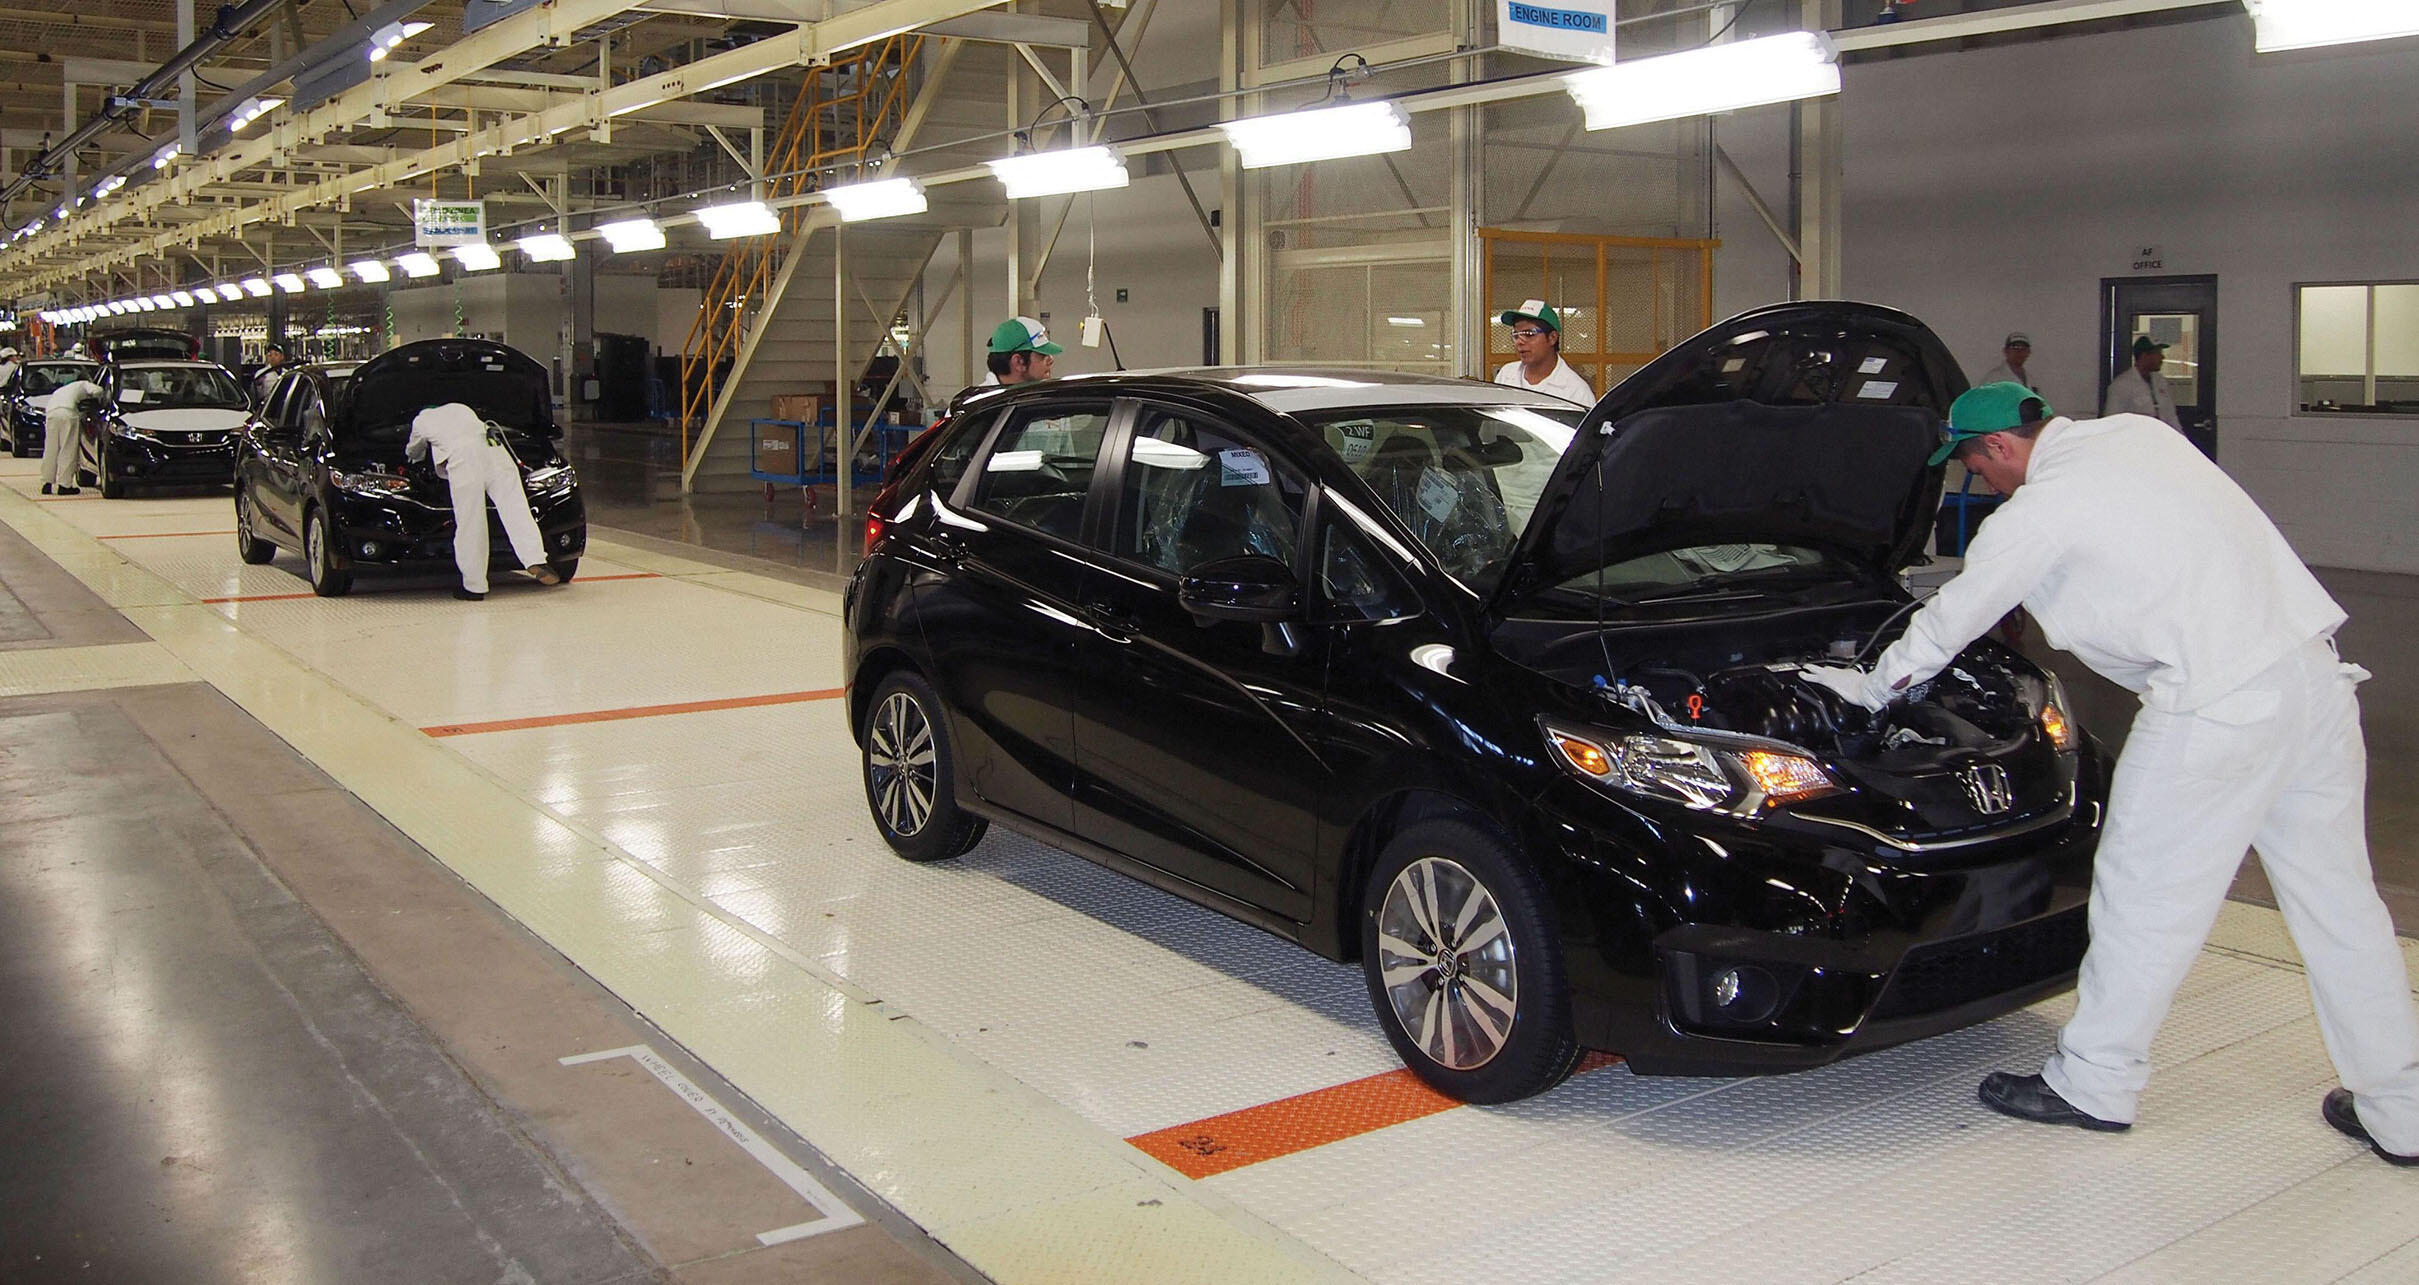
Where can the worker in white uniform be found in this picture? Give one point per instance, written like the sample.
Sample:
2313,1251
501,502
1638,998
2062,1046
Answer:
477,468
2012,356
1537,355
63,434
2138,555
8,367
2140,389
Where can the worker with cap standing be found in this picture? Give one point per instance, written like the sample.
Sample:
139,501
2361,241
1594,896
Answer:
2140,389
2013,354
1020,352
478,470
2137,554
63,418
8,366
1537,355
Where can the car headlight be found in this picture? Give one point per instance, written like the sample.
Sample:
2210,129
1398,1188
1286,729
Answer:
554,479
2046,701
1703,774
371,482
123,429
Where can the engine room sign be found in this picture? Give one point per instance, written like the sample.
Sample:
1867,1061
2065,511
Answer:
439,223
1573,30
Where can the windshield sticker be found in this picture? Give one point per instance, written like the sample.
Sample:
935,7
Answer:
1733,365
1872,365
1437,494
1355,440
1242,466
1876,389
130,396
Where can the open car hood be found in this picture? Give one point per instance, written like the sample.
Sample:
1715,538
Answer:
1800,423
502,384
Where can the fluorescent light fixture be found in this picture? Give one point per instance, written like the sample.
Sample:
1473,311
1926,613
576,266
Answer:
2305,24
741,218
162,301
1405,321
325,278
632,234
146,304
230,293
288,282
161,158
1720,78
390,37
1319,134
880,199
547,247
417,264
478,256
252,110
257,287
108,185
60,214
183,299
372,271
1071,169
119,308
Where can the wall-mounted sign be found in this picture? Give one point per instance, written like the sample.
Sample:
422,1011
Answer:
449,222
2146,258
1575,30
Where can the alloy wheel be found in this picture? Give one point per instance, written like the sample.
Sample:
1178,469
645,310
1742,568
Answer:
900,753
1447,963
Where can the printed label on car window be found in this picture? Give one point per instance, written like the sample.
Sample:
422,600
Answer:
1876,389
1872,365
1354,441
1241,466
130,396
1437,495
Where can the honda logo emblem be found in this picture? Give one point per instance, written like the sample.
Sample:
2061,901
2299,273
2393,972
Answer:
1987,788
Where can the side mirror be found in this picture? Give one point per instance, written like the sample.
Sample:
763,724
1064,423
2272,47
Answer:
1253,588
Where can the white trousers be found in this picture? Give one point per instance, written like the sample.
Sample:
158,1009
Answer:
62,442
490,474
2279,764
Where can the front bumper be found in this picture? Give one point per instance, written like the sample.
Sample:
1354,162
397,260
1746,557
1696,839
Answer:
201,458
1700,949
402,531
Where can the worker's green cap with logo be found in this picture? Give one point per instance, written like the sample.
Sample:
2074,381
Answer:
1534,310
1992,408
1023,334
2144,343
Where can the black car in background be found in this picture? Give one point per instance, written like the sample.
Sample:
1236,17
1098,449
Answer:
322,470
1494,695
23,416
166,422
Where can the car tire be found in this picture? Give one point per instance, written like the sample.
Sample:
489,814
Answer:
249,547
113,487
1487,1018
910,773
565,568
319,557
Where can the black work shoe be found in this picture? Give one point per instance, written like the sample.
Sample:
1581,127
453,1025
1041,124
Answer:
69,490
467,596
2336,1107
2029,1097
46,488
544,574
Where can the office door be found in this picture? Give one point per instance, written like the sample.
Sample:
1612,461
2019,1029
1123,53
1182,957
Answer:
2180,312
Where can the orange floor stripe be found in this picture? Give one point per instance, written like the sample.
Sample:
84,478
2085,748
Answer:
161,535
291,597
636,711
1223,1143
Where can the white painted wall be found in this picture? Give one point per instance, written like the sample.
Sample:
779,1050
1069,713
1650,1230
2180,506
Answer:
1991,190
527,310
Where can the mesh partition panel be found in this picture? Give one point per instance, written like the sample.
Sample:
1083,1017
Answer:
1623,300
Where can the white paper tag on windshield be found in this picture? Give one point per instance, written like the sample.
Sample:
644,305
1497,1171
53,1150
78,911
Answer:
1241,466
1353,442
1436,494
131,396
1872,365
1876,389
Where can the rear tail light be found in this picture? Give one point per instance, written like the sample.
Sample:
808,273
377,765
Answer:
874,524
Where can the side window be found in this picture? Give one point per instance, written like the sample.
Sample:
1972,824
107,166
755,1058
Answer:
1358,579
308,411
273,411
1041,469
1194,491
952,454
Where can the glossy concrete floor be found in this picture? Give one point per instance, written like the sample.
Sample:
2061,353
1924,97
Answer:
1062,1075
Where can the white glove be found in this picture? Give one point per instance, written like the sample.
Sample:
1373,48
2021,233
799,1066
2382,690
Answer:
1850,682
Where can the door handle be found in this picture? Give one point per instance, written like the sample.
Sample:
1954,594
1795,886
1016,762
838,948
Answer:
1115,624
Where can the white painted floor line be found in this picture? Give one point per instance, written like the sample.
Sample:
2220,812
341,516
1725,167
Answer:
836,1213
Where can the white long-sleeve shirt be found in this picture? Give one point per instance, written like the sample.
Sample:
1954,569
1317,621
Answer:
1564,382
2131,394
2006,374
2137,554
450,432
71,396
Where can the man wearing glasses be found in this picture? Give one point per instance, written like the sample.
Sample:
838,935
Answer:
1537,355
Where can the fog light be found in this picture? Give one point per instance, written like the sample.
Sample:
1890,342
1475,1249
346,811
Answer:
1726,988
1744,994
563,541
369,548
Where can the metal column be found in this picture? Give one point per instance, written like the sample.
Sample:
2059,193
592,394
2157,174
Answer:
842,445
1816,145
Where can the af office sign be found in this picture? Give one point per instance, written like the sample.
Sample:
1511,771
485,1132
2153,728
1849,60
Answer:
441,223
1574,30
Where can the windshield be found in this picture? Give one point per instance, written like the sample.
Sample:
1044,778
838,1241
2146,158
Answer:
48,379
1463,479
153,387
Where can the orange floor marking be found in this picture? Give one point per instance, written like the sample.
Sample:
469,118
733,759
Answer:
635,711
160,535
291,597
1223,1143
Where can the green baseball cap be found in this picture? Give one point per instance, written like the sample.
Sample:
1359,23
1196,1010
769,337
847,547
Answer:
1023,334
2144,343
1534,310
1991,408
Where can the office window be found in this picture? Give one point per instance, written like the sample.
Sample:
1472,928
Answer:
2358,349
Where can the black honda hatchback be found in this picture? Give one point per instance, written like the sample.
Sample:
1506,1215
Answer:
1494,695
321,468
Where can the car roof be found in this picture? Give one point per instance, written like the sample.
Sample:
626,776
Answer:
1294,389
154,363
